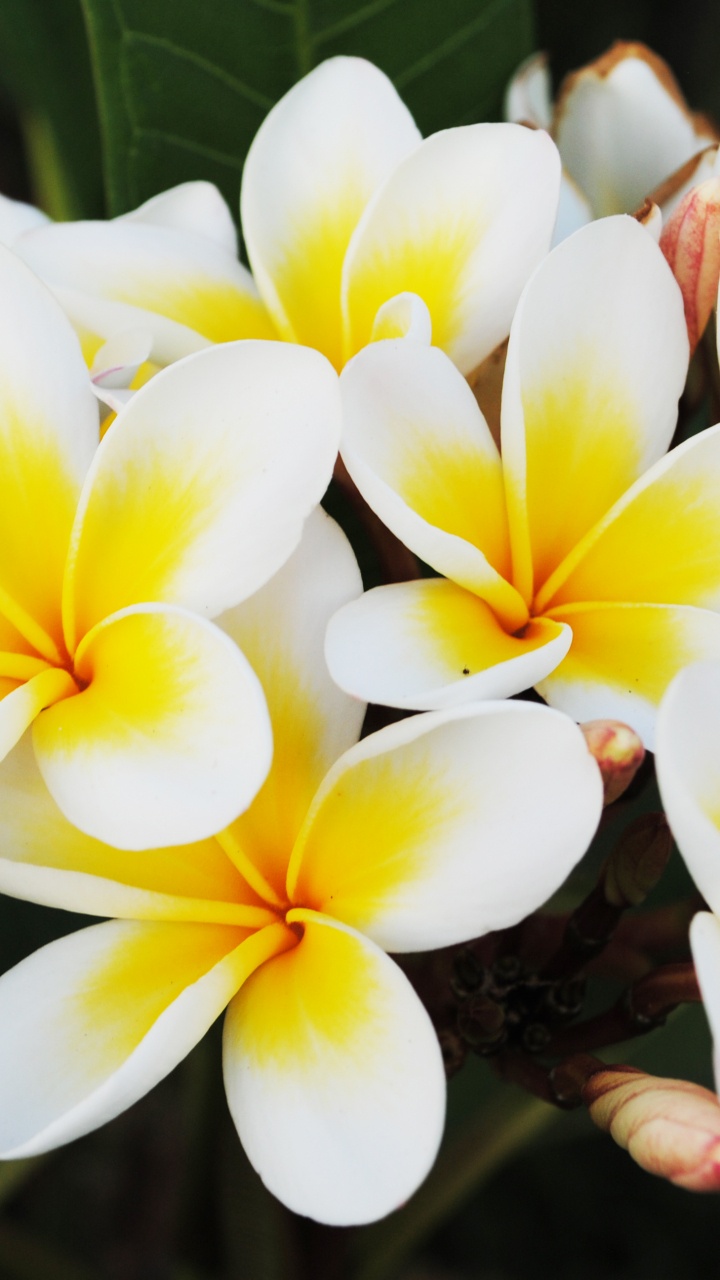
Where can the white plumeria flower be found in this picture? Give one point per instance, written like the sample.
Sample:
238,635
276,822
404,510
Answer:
621,125
427,833
583,561
344,208
17,217
688,772
149,725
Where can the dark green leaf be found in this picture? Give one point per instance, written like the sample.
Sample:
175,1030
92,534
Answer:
45,68
183,88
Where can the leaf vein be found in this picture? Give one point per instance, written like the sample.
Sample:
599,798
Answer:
453,42
353,20
203,64
189,144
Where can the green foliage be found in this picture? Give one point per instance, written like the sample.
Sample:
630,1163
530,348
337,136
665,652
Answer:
45,69
182,88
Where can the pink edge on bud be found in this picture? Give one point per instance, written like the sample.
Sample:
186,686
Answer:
691,244
669,1127
619,752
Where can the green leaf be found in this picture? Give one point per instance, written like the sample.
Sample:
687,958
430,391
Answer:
45,69
182,88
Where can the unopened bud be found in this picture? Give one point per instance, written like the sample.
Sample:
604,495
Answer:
618,751
691,244
637,861
669,1127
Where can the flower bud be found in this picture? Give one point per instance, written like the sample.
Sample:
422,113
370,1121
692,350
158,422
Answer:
618,751
691,244
669,1127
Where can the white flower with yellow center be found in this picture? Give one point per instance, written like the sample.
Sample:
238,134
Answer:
583,562
427,833
345,212
149,725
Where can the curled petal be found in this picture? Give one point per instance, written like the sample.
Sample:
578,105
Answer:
334,1076
428,645
170,739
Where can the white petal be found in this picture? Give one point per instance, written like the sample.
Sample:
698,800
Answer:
16,217
93,1021
334,1077
596,364
201,486
622,127
191,206
462,222
528,98
169,741
281,630
448,825
405,316
421,454
164,271
314,163
688,770
428,645
119,359
705,943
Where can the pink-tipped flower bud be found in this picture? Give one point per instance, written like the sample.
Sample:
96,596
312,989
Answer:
669,1127
691,244
618,751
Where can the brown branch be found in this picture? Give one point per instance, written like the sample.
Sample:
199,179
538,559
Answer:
644,1006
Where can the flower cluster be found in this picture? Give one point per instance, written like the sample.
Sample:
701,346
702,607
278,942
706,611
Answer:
187,650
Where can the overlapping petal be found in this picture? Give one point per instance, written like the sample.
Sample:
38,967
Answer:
170,739
688,771
99,1017
48,432
462,222
623,658
316,160
45,859
421,454
596,364
334,1076
167,498
445,826
659,543
430,644
157,269
16,217
281,630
